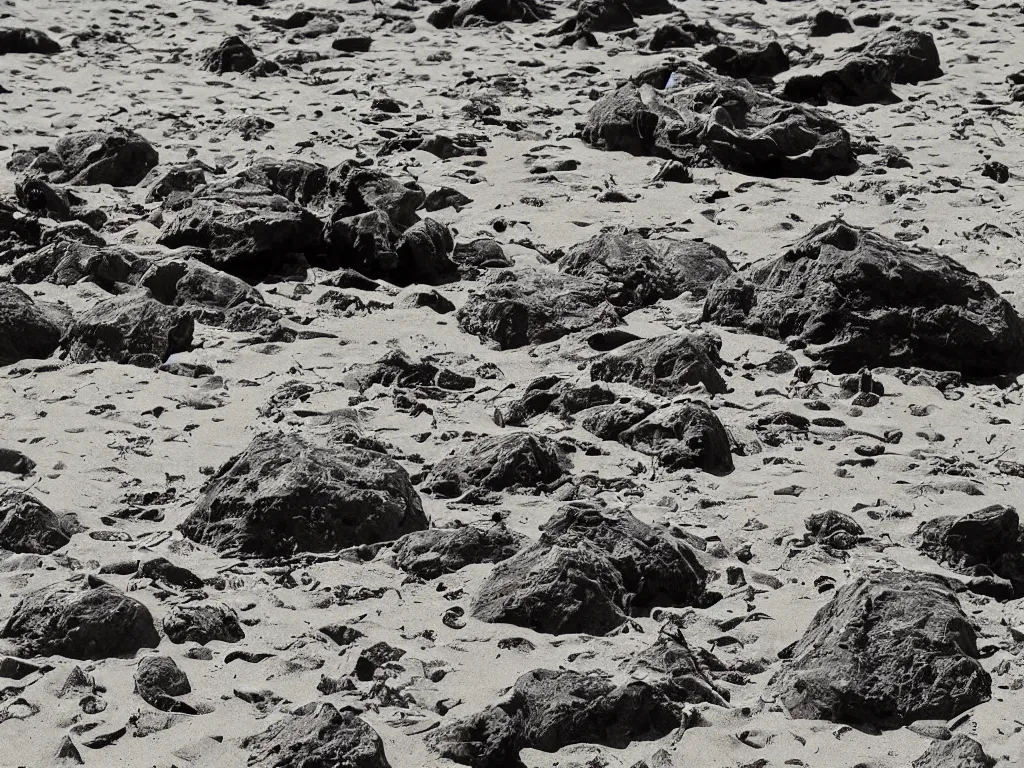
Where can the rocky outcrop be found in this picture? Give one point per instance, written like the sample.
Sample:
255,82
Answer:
498,462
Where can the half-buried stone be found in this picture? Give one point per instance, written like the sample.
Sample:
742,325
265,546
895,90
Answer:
665,365
28,329
687,113
497,462
438,551
858,299
890,648
115,156
683,436
29,526
286,494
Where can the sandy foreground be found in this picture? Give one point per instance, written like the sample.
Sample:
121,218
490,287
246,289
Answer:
102,434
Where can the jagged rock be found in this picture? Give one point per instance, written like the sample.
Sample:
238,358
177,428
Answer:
28,329
833,529
399,370
826,23
474,13
665,365
867,72
958,752
375,657
989,542
858,299
82,618
437,551
609,421
423,255
497,462
205,292
551,394
749,63
251,236
175,181
285,494
686,113
890,648
672,667
16,462
482,253
202,623
132,329
67,263
535,307
597,16
445,197
547,710
29,526
317,735
158,680
353,190
115,156
683,34
685,436
162,570
20,234
59,203
414,298
296,180
637,272
25,40
231,55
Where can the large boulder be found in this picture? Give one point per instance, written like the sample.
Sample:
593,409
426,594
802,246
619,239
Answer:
132,329
665,365
497,462
287,494
68,263
82,618
25,40
683,436
536,307
637,272
115,156
29,526
547,710
27,329
857,299
866,72
352,190
984,544
439,551
687,113
888,649
317,735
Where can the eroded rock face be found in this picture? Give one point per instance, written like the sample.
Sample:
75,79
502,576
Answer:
984,544
285,494
497,462
890,648
858,299
82,618
665,365
437,551
637,272
547,710
692,115
535,307
317,735
685,436
115,156
28,330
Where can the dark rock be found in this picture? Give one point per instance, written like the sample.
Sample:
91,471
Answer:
158,680
353,190
355,44
833,529
547,710
682,35
202,623
423,255
826,23
689,114
27,330
551,394
497,462
858,299
957,752
753,64
482,253
867,72
342,635
414,299
597,16
536,307
609,421
180,180
686,436
983,543
16,462
116,156
472,13
25,40
296,180
20,234
890,648
996,171
232,55
445,197
665,365
162,570
29,526
82,618
375,657
285,494
674,669
132,329
55,202
206,294
317,735
437,551
68,263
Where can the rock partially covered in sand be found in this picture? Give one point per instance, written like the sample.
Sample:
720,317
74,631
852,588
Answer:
203,623
547,710
890,648
132,329
665,365
25,40
29,526
685,436
475,13
687,113
437,551
986,543
231,55
158,681
746,62
637,272
27,330
858,299
958,752
535,307
317,735
670,665
285,494
115,156
82,618
551,394
497,462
